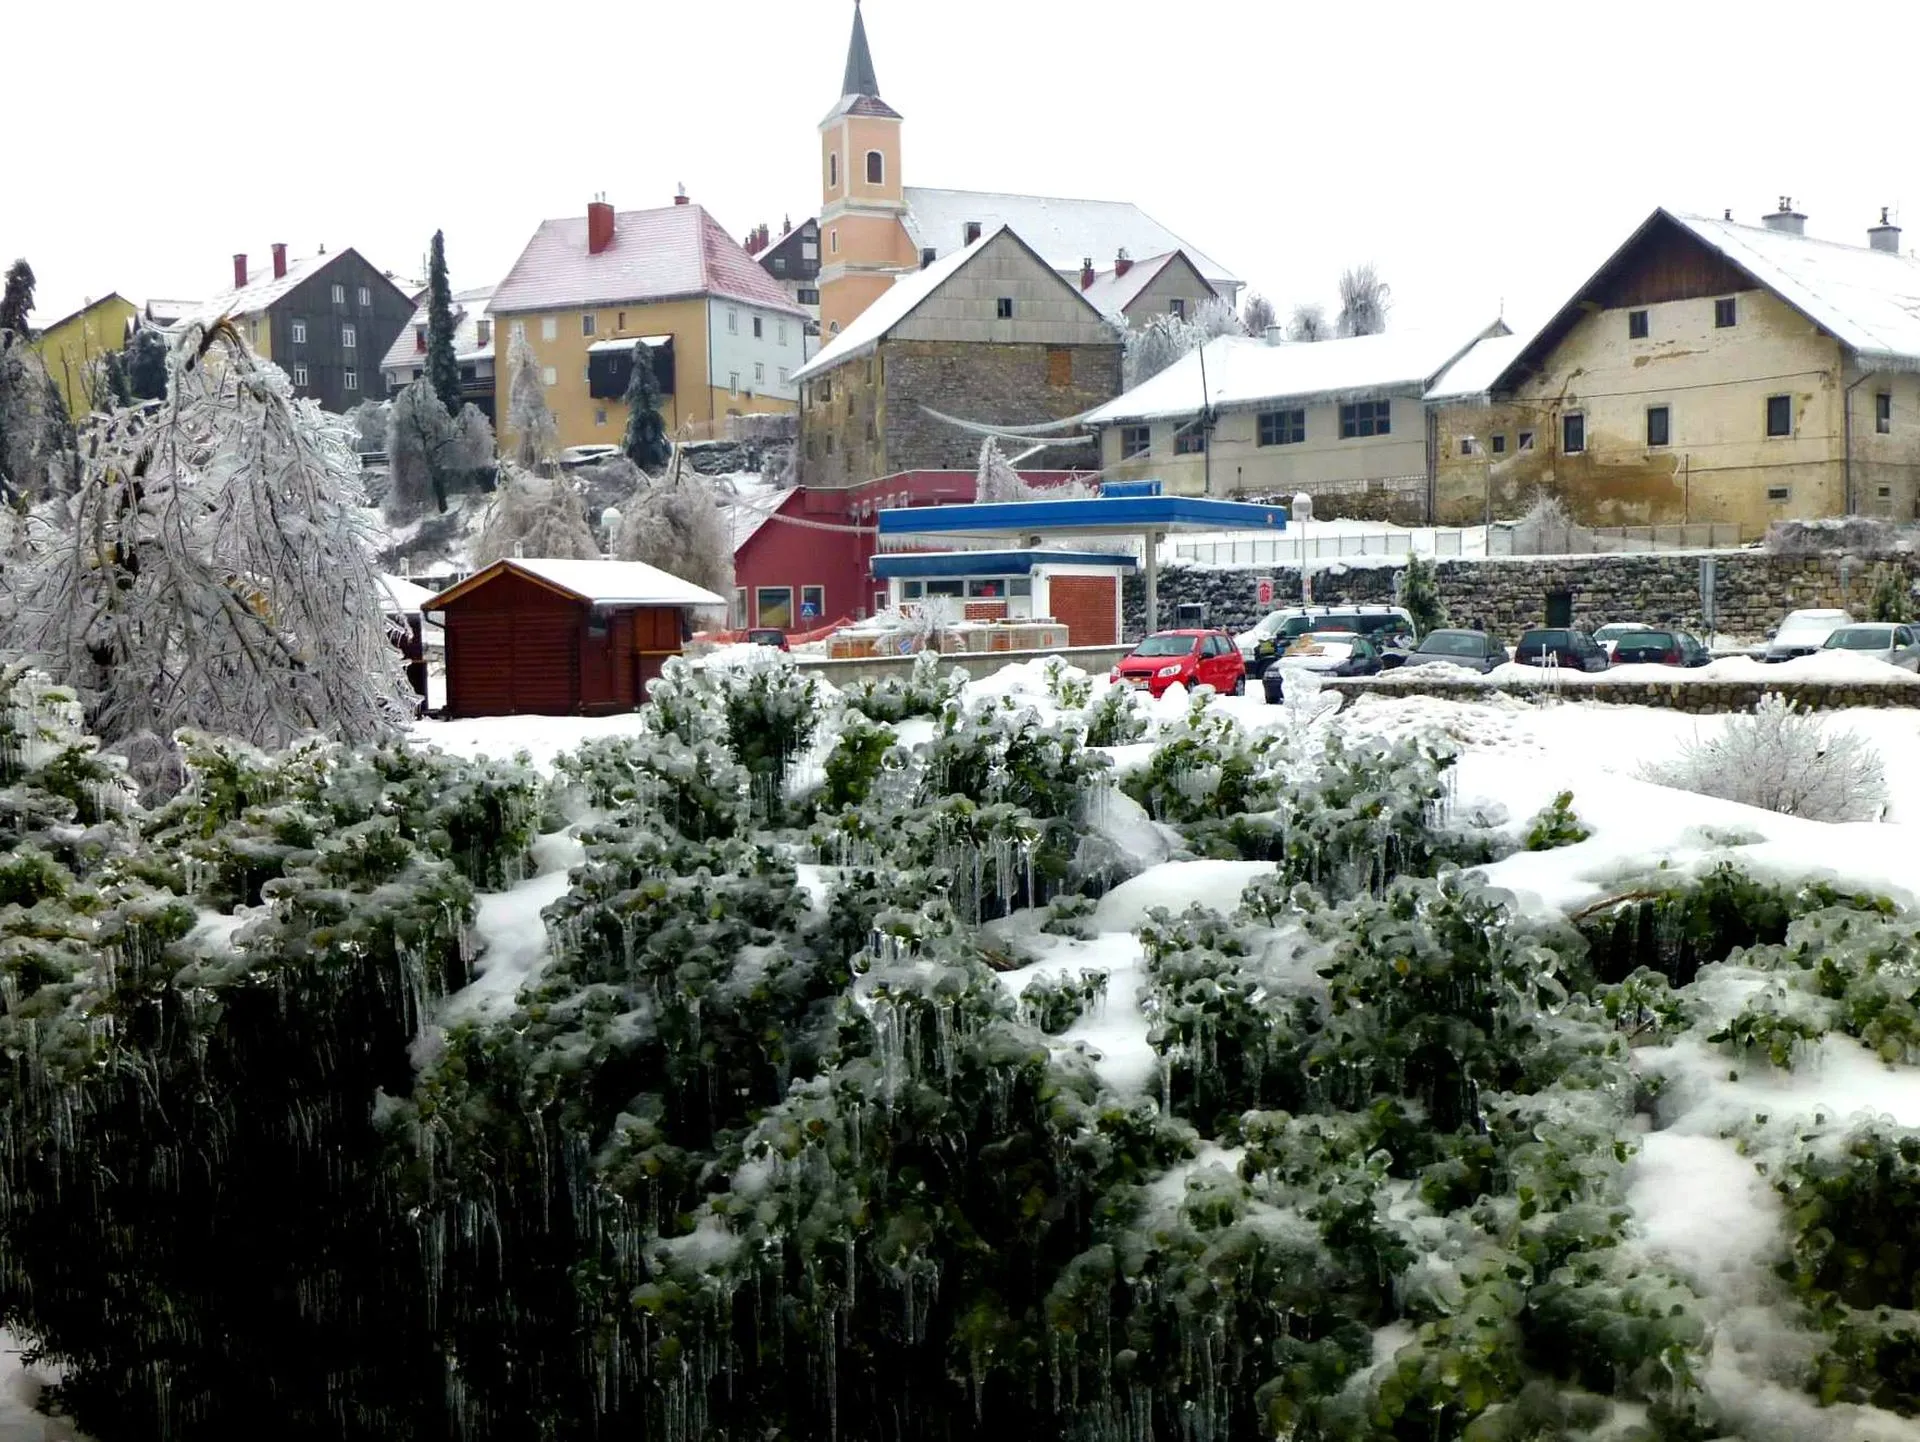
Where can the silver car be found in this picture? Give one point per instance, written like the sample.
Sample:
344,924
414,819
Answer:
1897,645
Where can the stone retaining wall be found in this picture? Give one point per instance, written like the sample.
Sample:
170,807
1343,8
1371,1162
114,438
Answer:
1754,589
1698,697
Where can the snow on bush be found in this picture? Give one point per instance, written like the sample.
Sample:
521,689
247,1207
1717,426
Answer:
1784,759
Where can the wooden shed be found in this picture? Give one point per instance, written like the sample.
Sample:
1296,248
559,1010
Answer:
561,638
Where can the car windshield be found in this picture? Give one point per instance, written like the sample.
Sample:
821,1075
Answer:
1166,646
1454,643
1297,625
1645,641
1539,640
1804,628
1861,638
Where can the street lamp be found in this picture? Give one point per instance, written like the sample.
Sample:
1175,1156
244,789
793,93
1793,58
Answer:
1302,512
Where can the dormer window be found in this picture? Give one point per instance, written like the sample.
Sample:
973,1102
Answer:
972,232
876,168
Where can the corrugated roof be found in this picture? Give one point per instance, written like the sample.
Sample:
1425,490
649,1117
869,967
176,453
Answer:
1472,376
674,252
890,307
1064,232
609,583
1243,371
469,308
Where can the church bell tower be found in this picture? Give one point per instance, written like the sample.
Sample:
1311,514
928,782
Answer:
863,244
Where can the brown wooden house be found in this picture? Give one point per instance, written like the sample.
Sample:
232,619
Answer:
561,638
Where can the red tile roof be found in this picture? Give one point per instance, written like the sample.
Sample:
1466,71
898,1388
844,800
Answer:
671,253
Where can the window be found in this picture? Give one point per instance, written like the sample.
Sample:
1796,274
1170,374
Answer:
1886,492
823,391
1725,313
971,232
549,376
339,295
1135,441
1283,428
485,328
366,297
519,330
833,327
1190,440
350,380
299,375
1779,415
549,327
467,373
733,383
876,168
928,255
813,602
1573,433
1636,325
779,264
1366,418
1526,441
756,328
419,339
733,321
1177,307
1466,445
784,376
946,588
833,240
589,322
829,443
809,296
1004,307
1779,493
775,606
299,332
833,169
810,249
348,340
879,602
1059,366
417,372
1883,413
779,332
1499,443
759,372
1659,426
599,415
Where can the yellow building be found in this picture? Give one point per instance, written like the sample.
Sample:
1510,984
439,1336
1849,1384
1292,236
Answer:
74,346
1709,371
594,293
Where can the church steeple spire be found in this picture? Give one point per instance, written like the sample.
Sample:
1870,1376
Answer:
860,79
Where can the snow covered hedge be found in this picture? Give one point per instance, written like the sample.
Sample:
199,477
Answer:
888,1099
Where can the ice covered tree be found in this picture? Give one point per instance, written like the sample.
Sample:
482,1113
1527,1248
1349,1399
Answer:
1258,315
34,432
1420,594
443,369
211,569
675,524
996,479
646,441
16,303
1892,598
1364,301
1783,759
370,425
534,515
535,434
1308,323
1214,317
431,454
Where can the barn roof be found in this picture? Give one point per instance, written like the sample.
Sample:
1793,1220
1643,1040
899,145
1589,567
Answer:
598,583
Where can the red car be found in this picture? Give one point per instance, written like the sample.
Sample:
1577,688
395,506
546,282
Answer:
1193,658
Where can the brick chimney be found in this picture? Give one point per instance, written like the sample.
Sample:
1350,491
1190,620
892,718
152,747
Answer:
599,225
1786,219
1122,263
279,260
1086,273
1884,236
680,194
240,272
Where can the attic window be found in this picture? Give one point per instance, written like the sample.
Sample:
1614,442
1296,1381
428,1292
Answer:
1004,307
1725,313
972,232
1636,325
1177,308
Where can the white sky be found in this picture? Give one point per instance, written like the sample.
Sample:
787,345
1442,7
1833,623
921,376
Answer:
1477,153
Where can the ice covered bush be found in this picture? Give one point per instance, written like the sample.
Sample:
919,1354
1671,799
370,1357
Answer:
1555,825
926,690
764,707
1782,758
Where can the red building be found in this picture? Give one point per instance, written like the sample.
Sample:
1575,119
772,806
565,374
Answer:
804,562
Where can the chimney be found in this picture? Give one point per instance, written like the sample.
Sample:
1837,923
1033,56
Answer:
1122,263
680,194
1884,236
599,225
1786,219
279,260
786,225
1275,335
1086,273
240,272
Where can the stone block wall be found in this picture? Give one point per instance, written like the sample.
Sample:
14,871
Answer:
999,384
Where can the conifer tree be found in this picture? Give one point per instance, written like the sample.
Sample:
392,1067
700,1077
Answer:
443,370
646,443
1420,594
535,433
17,301
1892,599
146,365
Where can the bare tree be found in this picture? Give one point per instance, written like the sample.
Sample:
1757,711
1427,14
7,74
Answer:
1364,301
430,454
1258,315
1308,323
1164,339
534,515
535,435
675,525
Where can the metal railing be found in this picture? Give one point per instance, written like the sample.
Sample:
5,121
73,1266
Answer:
1443,542
1611,540
1295,547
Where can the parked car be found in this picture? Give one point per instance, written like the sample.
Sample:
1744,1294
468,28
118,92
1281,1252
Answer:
1802,633
1260,646
1897,645
1606,635
1659,648
1190,657
1325,653
1574,650
768,636
1475,650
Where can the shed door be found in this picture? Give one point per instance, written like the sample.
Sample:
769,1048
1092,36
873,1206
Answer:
546,663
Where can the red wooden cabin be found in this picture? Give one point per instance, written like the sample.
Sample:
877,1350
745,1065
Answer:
562,638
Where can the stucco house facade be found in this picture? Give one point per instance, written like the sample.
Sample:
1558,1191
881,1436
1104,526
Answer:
75,345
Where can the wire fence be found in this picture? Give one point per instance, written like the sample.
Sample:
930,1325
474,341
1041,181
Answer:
1610,540
1301,544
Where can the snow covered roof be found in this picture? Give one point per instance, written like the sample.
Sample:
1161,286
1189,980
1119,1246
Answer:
891,307
1243,371
604,347
469,307
262,291
746,506
671,253
405,596
1472,376
1112,293
1064,232
602,583
167,312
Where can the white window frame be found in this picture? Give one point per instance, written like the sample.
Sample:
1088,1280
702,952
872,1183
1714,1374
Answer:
758,328
588,322
733,320
519,331
350,380
779,332
733,383
549,327
299,332
299,375
819,611
349,337
759,372
366,297
760,606
549,376
785,376
339,295
599,415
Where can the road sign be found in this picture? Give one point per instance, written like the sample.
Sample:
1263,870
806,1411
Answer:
1263,590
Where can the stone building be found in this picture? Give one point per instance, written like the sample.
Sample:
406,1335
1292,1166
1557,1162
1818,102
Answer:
991,334
1708,371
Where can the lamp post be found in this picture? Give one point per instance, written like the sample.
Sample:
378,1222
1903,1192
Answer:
1301,514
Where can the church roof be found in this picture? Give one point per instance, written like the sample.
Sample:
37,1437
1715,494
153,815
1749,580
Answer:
860,87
